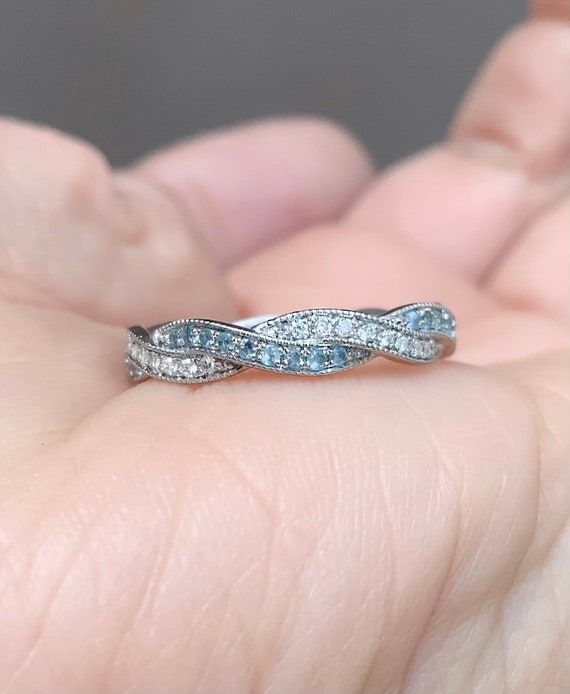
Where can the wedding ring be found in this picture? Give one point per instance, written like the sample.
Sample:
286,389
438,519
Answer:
314,342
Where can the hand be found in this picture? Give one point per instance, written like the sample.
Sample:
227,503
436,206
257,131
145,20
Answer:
393,529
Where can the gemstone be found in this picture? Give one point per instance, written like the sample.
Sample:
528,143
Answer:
143,358
403,343
177,337
339,356
154,362
425,320
317,359
300,328
169,366
322,326
206,337
344,327
412,318
247,349
294,360
271,355
367,332
190,335
205,364
225,341
187,368
388,338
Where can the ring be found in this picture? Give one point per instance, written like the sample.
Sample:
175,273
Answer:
314,342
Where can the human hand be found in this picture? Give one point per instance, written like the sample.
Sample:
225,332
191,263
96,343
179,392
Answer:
392,529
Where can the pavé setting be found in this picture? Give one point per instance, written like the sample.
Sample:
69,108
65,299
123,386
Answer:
313,342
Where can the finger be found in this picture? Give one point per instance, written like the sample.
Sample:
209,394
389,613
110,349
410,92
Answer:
253,185
119,248
507,155
349,266
534,275
550,9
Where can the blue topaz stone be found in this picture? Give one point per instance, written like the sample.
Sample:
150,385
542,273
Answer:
271,355
294,360
190,336
317,359
225,342
247,349
206,337
412,318
339,356
177,337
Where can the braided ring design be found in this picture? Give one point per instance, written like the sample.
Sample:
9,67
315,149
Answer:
314,342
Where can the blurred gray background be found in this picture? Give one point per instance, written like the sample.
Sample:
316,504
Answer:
131,75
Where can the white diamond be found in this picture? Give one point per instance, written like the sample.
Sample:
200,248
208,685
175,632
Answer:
143,359
322,326
154,361
344,327
403,343
188,368
388,337
415,348
169,366
299,328
205,364
367,332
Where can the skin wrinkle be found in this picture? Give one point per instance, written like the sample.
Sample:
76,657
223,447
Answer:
152,581
389,618
51,598
310,555
458,486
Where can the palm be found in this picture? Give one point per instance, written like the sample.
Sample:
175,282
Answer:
276,534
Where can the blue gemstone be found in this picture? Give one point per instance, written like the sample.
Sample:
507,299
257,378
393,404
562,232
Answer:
206,337
294,360
412,317
317,359
225,342
339,356
177,338
271,355
424,322
247,349
190,335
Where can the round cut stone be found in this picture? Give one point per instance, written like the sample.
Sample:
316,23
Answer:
300,328
204,364
322,326
339,356
190,335
271,355
425,320
206,337
176,338
403,343
247,349
188,368
388,338
412,318
367,332
344,327
294,359
317,359
225,342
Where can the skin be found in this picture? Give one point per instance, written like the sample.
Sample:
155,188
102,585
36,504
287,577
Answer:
391,530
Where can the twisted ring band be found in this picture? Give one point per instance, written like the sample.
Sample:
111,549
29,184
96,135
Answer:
313,342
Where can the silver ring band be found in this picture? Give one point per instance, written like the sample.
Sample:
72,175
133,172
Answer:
314,342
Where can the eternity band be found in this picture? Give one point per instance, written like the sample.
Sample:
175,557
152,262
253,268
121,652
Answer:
313,342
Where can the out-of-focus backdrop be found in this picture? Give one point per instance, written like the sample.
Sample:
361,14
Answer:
131,75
